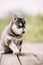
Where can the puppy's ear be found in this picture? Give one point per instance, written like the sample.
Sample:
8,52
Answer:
15,18
24,17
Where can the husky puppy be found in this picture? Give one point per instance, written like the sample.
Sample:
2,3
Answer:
12,36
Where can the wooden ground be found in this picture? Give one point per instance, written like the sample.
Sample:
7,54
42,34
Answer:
32,55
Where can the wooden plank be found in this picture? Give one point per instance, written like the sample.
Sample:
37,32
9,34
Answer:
10,59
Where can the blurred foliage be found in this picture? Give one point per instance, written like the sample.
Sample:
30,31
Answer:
34,27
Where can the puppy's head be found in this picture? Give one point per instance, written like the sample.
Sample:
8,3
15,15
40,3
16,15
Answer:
18,25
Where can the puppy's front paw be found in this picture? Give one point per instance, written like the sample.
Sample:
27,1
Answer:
15,52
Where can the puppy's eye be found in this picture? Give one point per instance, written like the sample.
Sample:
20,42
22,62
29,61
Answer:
23,21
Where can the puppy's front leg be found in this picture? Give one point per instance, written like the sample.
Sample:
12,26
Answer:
11,44
13,48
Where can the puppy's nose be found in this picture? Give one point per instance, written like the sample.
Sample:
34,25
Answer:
23,32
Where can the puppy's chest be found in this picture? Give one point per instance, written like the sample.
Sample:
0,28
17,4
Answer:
17,41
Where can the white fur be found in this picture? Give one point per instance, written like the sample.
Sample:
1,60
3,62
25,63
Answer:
16,30
20,24
14,48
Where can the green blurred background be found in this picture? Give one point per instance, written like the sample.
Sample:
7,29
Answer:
34,26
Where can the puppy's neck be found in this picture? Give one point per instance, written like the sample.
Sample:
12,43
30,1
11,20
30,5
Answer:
11,33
